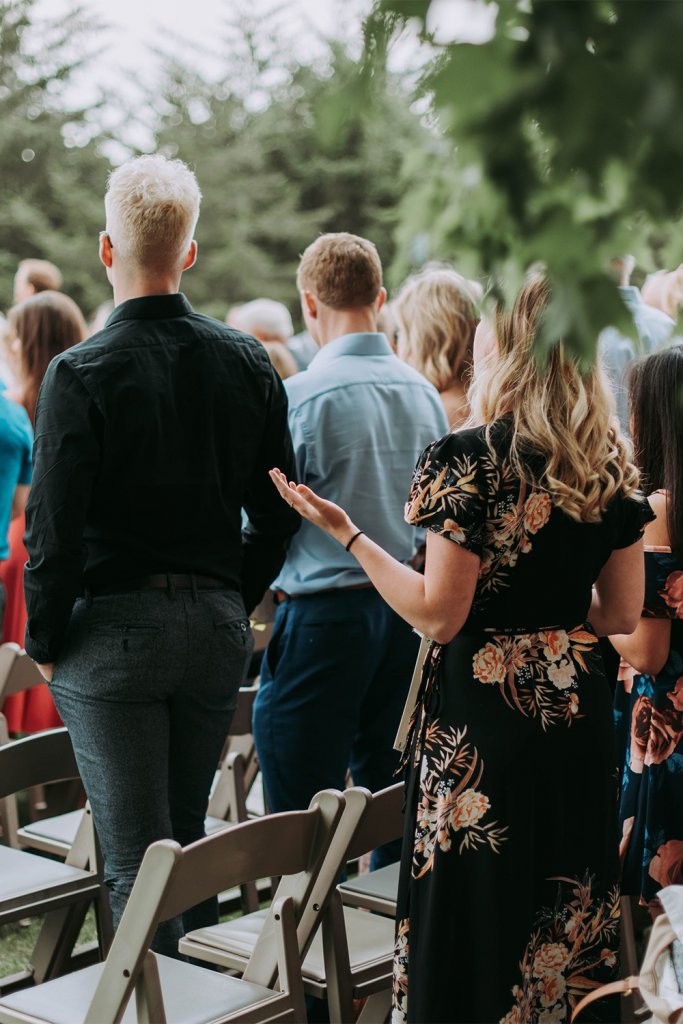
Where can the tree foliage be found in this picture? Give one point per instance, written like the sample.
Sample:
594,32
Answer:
51,187
275,176
559,142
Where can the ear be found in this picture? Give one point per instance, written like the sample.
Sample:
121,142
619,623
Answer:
191,257
309,305
105,249
381,299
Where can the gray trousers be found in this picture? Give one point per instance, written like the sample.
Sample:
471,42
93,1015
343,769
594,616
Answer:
147,684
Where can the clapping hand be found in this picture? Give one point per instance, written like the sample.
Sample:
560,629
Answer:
325,514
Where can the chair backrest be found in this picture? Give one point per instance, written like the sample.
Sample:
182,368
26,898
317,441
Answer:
310,891
172,879
382,823
241,720
17,671
36,760
9,818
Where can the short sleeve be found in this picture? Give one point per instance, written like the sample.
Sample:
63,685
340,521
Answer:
448,491
634,514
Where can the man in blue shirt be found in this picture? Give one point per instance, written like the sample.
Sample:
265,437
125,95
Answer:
337,669
16,442
654,329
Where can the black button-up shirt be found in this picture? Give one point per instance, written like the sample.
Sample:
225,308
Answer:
151,437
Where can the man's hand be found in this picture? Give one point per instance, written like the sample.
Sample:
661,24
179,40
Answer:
46,671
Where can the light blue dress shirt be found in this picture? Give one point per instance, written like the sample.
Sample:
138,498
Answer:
359,418
655,330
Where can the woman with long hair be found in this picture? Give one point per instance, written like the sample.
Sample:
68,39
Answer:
436,316
508,906
649,697
37,330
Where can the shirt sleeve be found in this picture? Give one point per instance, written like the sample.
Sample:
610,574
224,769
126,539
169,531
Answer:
66,459
634,514
448,491
272,522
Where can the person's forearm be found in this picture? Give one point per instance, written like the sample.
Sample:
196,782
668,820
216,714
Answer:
408,592
647,648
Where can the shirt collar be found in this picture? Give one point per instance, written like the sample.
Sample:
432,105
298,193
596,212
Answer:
361,344
150,307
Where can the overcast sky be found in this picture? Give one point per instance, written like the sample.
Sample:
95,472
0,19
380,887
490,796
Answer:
133,29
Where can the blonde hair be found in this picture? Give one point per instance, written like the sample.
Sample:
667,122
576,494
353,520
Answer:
664,290
342,270
558,409
437,316
152,207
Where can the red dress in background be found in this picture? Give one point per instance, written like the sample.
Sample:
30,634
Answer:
33,710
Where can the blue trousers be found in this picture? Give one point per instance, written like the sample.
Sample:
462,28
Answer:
147,685
333,684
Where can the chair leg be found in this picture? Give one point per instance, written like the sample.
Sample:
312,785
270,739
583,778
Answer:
58,936
337,965
377,1008
149,1002
289,961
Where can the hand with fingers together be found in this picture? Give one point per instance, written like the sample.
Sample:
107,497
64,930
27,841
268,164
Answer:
325,514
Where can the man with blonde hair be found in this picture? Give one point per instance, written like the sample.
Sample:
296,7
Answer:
35,276
153,435
339,663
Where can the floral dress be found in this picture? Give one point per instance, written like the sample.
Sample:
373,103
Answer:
649,723
508,906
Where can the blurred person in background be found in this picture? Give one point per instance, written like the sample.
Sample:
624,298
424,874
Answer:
436,315
100,316
649,696
37,330
386,323
270,323
664,291
617,351
35,276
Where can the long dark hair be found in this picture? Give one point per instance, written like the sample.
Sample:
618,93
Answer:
46,324
656,399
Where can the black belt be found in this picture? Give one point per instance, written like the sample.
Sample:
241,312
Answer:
161,581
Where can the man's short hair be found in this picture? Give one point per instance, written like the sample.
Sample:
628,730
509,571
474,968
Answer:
152,206
41,274
266,319
342,270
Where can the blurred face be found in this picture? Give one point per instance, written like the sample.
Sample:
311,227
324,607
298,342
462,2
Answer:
485,344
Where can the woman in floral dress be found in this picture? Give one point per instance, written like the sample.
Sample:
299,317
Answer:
508,903
649,697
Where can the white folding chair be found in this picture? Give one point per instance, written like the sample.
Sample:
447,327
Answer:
351,957
171,880
31,885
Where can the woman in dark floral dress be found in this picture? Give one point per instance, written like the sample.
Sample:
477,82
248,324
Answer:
508,903
649,697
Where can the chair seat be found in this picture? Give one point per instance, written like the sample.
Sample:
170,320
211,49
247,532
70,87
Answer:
192,995
370,939
26,875
57,834
373,889
60,830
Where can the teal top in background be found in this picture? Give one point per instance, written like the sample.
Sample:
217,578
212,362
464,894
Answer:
16,443
359,419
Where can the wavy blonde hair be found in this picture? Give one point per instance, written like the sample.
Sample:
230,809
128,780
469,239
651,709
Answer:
436,312
565,413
